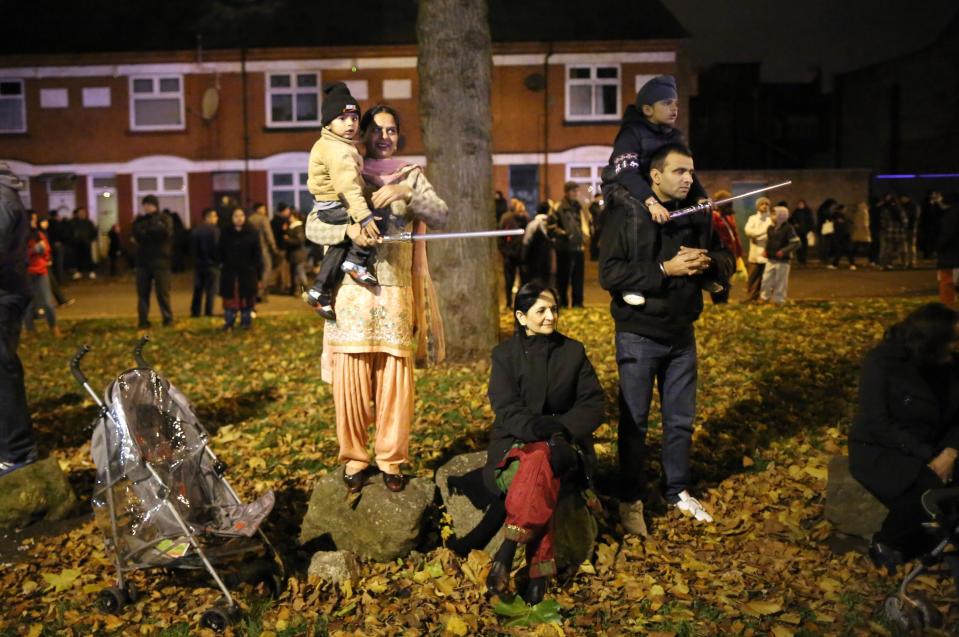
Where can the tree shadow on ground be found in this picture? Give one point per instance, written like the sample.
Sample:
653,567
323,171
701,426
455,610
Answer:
785,400
229,410
62,422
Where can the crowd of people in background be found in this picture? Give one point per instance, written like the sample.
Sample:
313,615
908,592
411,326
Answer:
890,232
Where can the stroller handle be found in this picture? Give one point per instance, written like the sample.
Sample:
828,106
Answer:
75,364
138,352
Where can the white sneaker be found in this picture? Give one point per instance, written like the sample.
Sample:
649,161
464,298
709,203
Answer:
689,505
634,298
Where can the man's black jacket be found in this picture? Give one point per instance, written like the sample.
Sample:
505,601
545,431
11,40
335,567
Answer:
634,246
154,238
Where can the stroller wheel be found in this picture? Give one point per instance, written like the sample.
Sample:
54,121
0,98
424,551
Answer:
112,600
218,618
931,616
903,614
131,592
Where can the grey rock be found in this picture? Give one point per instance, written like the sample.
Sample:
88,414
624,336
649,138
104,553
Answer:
574,525
379,525
38,491
335,566
850,508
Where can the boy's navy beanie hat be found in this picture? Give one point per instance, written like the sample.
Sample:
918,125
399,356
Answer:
661,87
336,101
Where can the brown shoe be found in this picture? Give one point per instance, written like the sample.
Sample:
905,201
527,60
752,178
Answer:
354,481
394,481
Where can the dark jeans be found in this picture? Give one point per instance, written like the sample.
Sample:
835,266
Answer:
902,528
569,273
246,316
206,279
755,279
41,297
642,361
84,256
16,430
145,279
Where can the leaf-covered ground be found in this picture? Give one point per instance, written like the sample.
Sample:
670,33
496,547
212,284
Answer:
776,395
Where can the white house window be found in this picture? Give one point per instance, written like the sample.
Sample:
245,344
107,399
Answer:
397,89
289,187
293,99
588,175
592,92
170,189
13,110
54,98
96,96
156,103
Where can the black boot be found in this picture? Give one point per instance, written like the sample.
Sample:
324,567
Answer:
535,591
884,556
497,582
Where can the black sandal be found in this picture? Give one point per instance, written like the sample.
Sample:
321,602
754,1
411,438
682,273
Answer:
394,481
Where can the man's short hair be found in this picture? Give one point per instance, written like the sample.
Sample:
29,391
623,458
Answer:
658,160
256,206
150,199
283,206
207,212
570,185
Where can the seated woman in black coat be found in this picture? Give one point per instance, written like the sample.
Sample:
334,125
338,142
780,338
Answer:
547,402
905,437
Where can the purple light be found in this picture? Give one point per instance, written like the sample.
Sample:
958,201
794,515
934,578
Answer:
920,176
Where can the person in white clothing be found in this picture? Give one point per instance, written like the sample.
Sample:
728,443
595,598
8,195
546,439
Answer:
756,228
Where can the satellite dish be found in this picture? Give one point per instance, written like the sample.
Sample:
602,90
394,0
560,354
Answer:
535,82
211,103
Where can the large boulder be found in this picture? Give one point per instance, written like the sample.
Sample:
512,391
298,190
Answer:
850,508
379,524
465,501
38,491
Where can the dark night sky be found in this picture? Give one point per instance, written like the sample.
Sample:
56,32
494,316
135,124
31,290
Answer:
792,37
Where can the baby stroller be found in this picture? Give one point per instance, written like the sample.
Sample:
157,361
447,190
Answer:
160,496
911,611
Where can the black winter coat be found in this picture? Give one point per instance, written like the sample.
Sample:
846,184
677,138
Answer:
535,376
902,422
633,246
153,234
242,261
634,147
14,230
948,243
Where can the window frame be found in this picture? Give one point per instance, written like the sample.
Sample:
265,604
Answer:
296,188
595,180
269,92
156,95
159,175
594,82
23,105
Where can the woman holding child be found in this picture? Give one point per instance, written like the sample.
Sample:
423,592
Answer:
380,330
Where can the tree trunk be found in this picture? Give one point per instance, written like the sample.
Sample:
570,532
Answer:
454,63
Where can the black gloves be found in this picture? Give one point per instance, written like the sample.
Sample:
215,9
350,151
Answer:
544,427
562,456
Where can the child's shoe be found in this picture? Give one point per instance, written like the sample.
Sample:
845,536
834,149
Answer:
359,274
634,298
321,302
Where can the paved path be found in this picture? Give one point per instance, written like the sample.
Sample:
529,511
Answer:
116,297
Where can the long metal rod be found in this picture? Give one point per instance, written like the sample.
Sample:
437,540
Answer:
709,205
409,236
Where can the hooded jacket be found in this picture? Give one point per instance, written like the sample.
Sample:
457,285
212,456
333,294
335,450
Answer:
335,173
636,143
14,231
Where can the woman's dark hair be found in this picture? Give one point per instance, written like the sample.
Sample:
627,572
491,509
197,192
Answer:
368,116
527,296
925,333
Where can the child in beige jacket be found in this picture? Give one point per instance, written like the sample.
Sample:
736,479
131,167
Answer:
335,179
